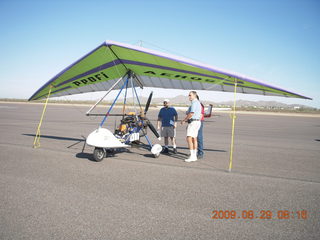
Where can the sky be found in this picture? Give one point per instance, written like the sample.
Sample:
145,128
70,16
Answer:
275,41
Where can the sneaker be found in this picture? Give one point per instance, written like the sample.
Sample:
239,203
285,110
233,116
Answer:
165,150
200,156
175,150
191,159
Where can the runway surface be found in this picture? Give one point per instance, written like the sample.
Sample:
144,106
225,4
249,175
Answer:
57,192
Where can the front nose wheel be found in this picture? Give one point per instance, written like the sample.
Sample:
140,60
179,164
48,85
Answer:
99,154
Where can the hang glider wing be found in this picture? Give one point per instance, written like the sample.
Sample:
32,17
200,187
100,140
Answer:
102,67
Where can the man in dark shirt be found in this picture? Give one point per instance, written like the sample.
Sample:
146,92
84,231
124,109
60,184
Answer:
200,133
168,117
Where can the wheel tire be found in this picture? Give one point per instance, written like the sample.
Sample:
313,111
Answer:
99,154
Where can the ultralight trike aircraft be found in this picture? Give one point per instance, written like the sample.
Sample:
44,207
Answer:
114,65
132,127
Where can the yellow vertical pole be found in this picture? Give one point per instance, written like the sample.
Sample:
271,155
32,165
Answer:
233,116
36,142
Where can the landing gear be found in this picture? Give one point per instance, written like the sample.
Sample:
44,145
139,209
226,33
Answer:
99,154
156,150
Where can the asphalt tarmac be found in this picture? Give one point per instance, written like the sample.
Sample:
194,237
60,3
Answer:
58,192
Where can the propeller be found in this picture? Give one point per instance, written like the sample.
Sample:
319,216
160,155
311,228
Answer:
148,103
147,121
152,128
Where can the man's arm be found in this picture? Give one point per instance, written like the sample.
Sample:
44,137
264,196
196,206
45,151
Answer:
189,115
175,120
158,123
159,119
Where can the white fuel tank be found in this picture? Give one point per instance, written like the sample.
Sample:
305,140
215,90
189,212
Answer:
104,138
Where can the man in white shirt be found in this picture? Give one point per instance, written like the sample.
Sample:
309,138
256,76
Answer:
193,118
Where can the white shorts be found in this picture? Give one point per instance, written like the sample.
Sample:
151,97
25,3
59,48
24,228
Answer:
193,129
168,132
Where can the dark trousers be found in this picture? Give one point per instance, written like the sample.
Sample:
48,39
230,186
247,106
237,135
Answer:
200,140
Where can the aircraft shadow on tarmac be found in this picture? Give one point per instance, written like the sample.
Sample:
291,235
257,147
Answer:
179,155
56,137
84,155
110,153
78,140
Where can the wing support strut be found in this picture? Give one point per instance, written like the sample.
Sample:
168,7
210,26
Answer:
233,117
130,75
36,142
115,100
110,89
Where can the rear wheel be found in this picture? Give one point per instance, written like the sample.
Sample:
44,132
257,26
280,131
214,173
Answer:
99,154
156,155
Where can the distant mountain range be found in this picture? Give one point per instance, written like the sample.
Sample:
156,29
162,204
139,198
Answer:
183,100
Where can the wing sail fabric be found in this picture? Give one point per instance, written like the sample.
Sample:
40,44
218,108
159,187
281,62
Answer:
99,69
